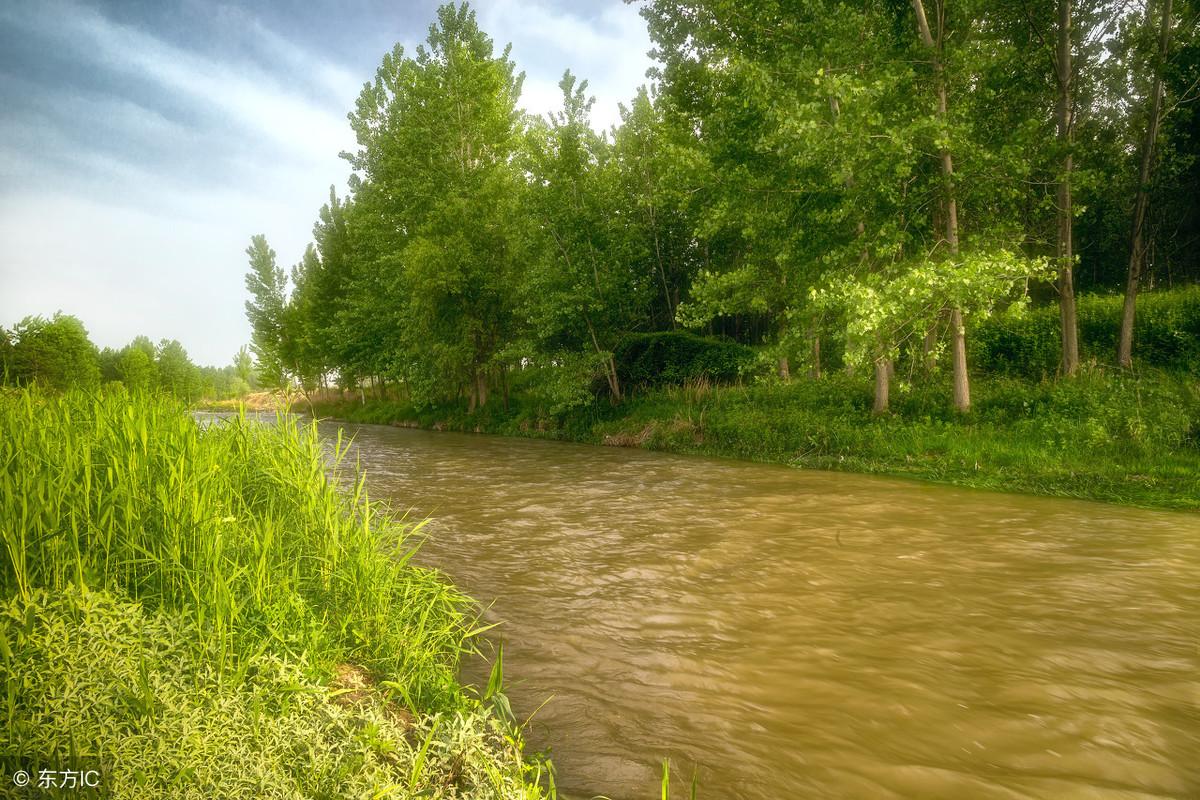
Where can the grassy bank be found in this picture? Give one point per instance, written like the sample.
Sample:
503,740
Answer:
203,613
1102,436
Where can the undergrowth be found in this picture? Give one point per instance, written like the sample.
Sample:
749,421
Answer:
103,684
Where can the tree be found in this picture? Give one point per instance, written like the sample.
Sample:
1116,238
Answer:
652,161
135,369
582,291
243,366
176,372
437,195
1056,64
331,277
777,196
56,352
6,355
885,309
933,43
107,360
1066,252
301,348
267,285
219,383
1137,250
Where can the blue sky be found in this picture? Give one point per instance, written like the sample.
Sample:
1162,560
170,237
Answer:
143,142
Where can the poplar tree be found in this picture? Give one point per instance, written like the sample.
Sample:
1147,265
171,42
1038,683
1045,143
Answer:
583,291
267,285
437,191
1137,246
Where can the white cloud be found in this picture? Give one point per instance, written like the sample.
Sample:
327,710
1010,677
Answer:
608,50
136,242
127,271
333,79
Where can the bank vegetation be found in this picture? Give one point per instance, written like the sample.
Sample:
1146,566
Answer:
205,611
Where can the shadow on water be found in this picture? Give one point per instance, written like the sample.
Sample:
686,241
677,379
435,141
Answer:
809,634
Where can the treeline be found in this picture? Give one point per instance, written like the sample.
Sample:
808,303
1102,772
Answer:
872,180
58,353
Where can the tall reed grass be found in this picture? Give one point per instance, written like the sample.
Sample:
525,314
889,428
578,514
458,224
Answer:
180,605
237,525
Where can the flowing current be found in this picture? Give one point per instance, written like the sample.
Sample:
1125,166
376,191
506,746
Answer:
792,634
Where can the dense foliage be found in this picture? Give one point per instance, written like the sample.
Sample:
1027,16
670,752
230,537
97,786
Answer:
54,351
1025,343
676,357
872,181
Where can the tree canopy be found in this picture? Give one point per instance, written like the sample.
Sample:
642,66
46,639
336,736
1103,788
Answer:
837,187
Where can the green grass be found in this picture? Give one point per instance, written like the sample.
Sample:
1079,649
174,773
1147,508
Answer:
1104,435
177,600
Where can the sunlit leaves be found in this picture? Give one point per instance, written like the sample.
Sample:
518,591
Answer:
886,309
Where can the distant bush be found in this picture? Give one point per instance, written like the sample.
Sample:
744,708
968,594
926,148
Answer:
673,358
1166,334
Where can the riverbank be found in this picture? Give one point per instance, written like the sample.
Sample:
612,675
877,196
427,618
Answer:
254,401
194,612
1101,436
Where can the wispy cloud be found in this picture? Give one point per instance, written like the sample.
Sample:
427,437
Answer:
136,221
233,95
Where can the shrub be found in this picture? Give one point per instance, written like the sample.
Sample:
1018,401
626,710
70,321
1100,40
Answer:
1166,334
674,358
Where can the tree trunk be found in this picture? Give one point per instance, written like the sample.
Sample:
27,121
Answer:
785,369
1137,250
481,386
1066,256
962,386
614,383
929,347
610,365
662,272
883,380
815,370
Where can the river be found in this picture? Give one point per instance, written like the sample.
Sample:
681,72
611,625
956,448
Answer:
796,634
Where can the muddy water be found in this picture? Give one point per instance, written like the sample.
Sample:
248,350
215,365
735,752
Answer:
793,634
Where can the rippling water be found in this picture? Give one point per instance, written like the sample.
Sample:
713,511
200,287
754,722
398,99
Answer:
792,634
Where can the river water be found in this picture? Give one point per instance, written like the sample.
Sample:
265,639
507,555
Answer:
796,634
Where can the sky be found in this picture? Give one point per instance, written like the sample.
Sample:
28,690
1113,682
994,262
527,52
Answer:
143,142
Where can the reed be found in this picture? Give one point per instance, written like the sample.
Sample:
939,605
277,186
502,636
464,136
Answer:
238,525
176,598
